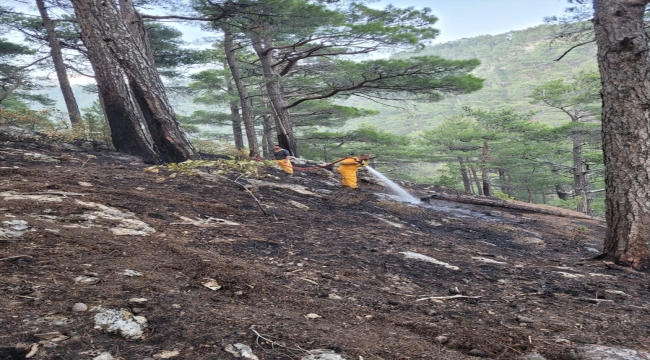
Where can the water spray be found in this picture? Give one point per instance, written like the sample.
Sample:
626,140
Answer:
402,195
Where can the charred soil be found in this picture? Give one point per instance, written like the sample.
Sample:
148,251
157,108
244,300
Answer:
302,264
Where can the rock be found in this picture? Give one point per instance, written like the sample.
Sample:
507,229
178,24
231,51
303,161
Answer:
14,133
477,353
599,352
87,145
533,356
322,354
131,273
79,307
241,350
166,354
369,179
121,322
212,285
104,356
442,339
87,280
529,240
13,229
524,319
137,300
40,157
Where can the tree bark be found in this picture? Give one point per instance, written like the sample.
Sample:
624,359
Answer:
123,32
235,118
246,109
624,64
268,136
580,178
463,173
275,92
485,173
506,182
476,180
122,114
59,66
237,131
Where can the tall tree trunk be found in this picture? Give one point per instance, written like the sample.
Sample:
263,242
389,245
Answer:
235,120
268,136
476,180
624,64
485,172
506,182
464,175
122,114
246,109
123,32
275,92
580,180
59,66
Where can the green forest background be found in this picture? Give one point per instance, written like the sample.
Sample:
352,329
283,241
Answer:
529,164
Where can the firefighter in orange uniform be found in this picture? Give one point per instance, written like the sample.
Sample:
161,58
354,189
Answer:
348,169
282,157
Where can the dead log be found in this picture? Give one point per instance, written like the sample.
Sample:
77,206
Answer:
510,204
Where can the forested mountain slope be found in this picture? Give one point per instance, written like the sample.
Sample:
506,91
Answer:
513,64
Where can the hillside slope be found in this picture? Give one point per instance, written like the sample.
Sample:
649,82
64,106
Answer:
298,264
513,64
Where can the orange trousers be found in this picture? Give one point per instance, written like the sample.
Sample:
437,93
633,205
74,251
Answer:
285,165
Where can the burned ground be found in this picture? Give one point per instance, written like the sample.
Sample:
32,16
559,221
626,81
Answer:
302,264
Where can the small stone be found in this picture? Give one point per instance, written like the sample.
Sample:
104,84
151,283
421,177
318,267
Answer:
131,273
87,280
534,356
79,307
524,319
104,356
477,353
442,339
137,300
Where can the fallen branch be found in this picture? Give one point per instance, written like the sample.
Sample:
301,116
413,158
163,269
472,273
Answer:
597,301
16,257
274,343
449,297
245,188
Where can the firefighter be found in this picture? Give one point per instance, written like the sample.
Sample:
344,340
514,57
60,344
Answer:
282,157
348,169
